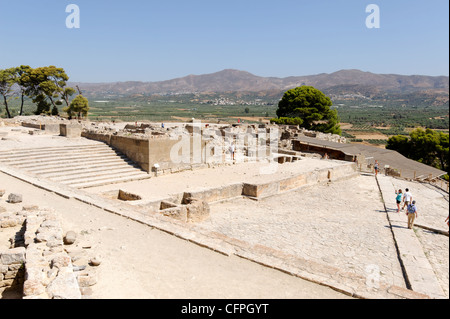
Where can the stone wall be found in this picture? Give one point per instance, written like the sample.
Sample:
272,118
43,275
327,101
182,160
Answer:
12,269
258,191
48,268
40,263
136,149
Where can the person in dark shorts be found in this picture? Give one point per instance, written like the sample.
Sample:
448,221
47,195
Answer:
399,199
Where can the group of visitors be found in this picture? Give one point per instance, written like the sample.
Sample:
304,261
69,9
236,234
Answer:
408,203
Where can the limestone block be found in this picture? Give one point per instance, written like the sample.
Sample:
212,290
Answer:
14,198
51,128
3,269
70,130
197,210
96,261
49,236
13,256
70,238
87,279
178,213
30,208
126,196
9,222
33,288
64,286
61,261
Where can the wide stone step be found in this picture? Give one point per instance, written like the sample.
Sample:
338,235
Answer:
109,182
112,180
20,152
106,176
68,160
64,170
39,156
26,151
63,167
93,174
79,166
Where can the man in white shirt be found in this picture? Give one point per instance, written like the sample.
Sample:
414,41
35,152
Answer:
407,198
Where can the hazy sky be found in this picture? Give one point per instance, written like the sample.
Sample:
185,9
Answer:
141,40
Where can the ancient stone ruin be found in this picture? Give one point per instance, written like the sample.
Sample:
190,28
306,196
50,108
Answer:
43,262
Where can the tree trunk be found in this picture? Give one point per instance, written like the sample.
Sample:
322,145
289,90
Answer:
21,105
6,106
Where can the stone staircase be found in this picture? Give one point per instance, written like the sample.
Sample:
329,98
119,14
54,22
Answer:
78,166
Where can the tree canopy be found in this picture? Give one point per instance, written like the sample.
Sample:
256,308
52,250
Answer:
310,108
45,86
79,106
426,146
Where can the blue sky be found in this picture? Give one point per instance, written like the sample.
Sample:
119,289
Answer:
140,40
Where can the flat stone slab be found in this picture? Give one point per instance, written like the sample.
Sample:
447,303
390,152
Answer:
418,270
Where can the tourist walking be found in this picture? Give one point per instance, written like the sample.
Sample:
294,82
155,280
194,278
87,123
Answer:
232,150
376,167
407,198
399,199
412,214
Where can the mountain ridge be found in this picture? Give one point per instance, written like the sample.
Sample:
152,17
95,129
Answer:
232,80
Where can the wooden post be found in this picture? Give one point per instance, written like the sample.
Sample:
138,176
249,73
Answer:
414,174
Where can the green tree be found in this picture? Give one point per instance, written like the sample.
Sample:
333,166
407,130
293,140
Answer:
79,106
7,81
400,144
288,121
426,146
312,107
23,81
48,83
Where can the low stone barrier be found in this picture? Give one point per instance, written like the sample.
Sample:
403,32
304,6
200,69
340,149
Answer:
216,194
258,191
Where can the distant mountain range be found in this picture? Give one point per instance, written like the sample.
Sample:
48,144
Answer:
341,82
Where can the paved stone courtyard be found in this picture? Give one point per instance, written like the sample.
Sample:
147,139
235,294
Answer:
322,223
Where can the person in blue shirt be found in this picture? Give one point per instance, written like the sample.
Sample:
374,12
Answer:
399,199
412,214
